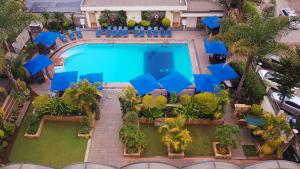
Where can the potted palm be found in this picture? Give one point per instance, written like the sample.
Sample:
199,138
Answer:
176,138
133,140
227,136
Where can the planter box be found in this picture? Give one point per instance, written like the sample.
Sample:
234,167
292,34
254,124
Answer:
38,133
221,156
138,154
198,121
174,155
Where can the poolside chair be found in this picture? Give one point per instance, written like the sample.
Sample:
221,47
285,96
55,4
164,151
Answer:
169,32
136,31
125,32
71,35
108,31
149,32
98,32
120,31
78,32
114,32
162,32
155,32
62,37
142,32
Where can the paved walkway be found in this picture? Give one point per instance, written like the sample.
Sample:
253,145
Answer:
105,146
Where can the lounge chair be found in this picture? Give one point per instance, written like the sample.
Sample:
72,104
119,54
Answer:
114,32
71,35
108,31
162,32
62,37
136,31
125,32
98,32
155,32
120,31
169,32
78,32
149,32
142,32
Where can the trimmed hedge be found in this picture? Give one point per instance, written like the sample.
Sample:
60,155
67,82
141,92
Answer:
253,89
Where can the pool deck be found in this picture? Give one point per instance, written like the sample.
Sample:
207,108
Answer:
194,39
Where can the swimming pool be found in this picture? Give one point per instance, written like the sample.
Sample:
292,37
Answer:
123,62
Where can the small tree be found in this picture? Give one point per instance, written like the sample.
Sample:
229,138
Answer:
132,138
175,135
206,102
165,22
130,101
131,23
228,136
131,118
46,17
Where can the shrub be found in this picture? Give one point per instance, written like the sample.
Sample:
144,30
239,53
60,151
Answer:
152,113
206,102
165,22
145,23
228,136
160,102
185,99
9,128
34,123
189,110
131,118
173,98
132,138
129,101
40,103
131,23
256,110
84,127
218,115
2,134
104,25
147,101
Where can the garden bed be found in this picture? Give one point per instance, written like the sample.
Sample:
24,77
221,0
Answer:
250,151
198,121
58,145
202,138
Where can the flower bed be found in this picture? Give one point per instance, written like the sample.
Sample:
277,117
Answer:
198,121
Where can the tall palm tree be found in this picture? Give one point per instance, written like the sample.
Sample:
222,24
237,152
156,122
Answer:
254,37
84,95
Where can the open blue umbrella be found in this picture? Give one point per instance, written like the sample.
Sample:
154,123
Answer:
215,47
174,82
93,78
46,38
37,64
206,83
212,22
144,84
62,81
223,71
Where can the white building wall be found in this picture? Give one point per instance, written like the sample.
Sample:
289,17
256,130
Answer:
191,22
88,19
134,15
98,14
169,15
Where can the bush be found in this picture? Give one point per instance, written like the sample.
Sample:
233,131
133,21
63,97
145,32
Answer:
145,23
84,127
2,134
104,25
218,115
160,102
131,118
206,102
185,99
152,113
173,98
131,23
34,123
189,110
256,110
147,101
40,103
132,138
166,22
228,136
9,128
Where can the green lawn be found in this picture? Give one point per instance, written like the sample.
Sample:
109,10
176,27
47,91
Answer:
250,151
201,145
57,146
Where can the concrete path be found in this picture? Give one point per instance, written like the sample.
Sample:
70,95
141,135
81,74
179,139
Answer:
105,147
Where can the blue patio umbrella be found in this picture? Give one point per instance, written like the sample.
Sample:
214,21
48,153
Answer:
254,120
206,83
144,84
215,47
223,71
62,81
174,82
212,22
46,38
93,78
37,64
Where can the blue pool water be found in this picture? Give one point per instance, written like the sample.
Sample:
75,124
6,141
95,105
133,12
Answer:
123,62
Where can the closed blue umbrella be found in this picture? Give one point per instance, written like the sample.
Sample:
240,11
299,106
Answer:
223,71
62,81
37,64
174,82
206,83
93,78
144,84
46,38
212,22
215,47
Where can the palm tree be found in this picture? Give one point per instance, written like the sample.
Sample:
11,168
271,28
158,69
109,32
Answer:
83,95
255,37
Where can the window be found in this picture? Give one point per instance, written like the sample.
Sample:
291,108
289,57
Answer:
293,104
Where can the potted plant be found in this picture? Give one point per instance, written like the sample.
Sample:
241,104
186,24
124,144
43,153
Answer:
227,136
176,138
133,140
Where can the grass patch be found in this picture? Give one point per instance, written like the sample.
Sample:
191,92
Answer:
201,145
57,146
250,151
